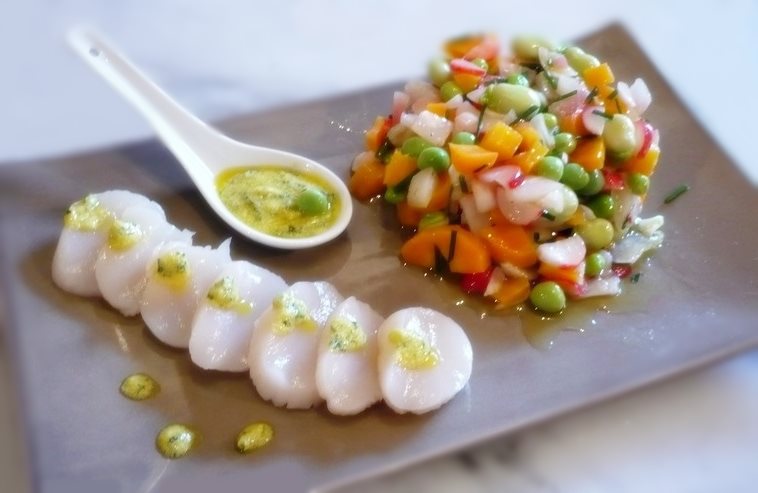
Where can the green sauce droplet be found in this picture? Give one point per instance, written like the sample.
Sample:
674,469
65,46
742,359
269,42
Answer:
123,235
86,215
254,437
291,314
345,335
173,269
413,352
224,295
175,441
139,387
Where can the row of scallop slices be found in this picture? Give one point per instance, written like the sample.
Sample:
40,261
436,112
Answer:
302,344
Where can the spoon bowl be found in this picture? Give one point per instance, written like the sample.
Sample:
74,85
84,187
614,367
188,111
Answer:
202,151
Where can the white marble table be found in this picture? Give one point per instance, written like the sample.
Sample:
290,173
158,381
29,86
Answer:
698,433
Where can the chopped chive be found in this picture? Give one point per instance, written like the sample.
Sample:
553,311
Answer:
496,80
551,80
604,114
463,184
385,151
618,105
676,193
453,241
591,95
635,278
440,264
480,121
613,94
547,215
532,66
536,237
529,112
565,96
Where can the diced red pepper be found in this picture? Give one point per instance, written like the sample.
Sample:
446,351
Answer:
622,270
613,179
477,282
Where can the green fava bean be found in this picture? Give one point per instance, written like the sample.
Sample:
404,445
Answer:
449,90
466,138
436,158
638,183
548,297
579,60
527,47
481,63
395,195
596,233
564,142
517,79
439,71
603,206
574,176
413,146
432,220
312,202
504,97
619,137
595,184
551,121
594,264
550,167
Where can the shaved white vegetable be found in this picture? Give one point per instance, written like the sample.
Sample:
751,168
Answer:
476,220
568,252
593,121
602,286
421,188
633,245
648,226
484,195
431,127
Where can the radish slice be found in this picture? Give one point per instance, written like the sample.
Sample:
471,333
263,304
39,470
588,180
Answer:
502,175
421,188
497,277
563,253
400,102
627,208
602,286
465,122
641,95
432,128
633,245
592,121
454,102
475,219
538,122
461,66
643,132
533,188
476,94
626,97
484,195
521,213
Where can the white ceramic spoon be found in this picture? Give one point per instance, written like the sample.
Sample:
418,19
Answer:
202,150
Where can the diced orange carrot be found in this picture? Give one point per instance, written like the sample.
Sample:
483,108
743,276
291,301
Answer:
469,159
368,180
496,217
399,167
573,122
598,76
458,47
441,194
376,134
502,139
645,164
611,101
439,109
527,159
467,82
576,218
568,274
512,292
511,243
408,216
589,153
529,135
465,252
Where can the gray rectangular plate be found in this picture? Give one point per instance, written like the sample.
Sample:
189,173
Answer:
694,303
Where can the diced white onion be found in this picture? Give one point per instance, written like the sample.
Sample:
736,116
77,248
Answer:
496,281
419,89
465,122
361,159
475,219
592,121
568,252
476,94
421,188
400,102
641,95
502,175
649,226
432,128
533,188
546,136
484,195
454,102
602,286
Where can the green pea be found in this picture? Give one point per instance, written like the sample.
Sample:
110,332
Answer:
564,142
449,90
602,205
481,63
574,176
439,71
619,136
518,80
548,297
638,183
579,60
413,146
504,97
396,194
550,167
595,184
466,138
597,233
433,219
436,158
527,47
594,264
312,201
551,121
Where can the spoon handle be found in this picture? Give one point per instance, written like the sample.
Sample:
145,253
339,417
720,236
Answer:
193,143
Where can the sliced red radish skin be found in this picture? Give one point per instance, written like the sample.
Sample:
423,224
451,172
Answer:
622,270
644,134
476,220
461,66
594,122
521,213
400,102
477,282
614,180
568,252
484,195
488,49
502,175
516,181
497,278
